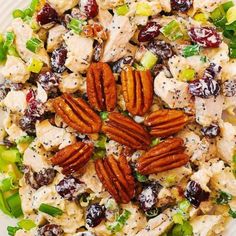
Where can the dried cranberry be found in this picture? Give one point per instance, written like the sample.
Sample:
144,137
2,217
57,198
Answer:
95,214
229,88
98,51
17,86
58,60
195,194
157,69
161,49
121,63
89,7
181,5
149,32
211,131
211,71
27,123
47,15
206,37
3,91
50,230
68,187
87,233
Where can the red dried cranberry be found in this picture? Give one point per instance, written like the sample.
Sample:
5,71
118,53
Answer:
30,96
121,63
98,51
27,123
195,194
211,131
3,91
89,7
95,214
68,187
149,32
58,60
229,88
211,71
47,15
50,230
181,5
161,49
206,37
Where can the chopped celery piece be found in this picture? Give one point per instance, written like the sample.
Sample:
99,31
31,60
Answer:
155,141
18,14
184,205
26,224
187,74
218,14
231,15
11,155
10,36
184,229
14,203
149,60
172,30
141,178
34,44
3,205
101,142
152,213
232,213
143,9
223,198
191,50
76,25
34,4
122,10
50,210
35,65
25,139
201,17
178,218
99,153
104,115
7,184
226,6
11,230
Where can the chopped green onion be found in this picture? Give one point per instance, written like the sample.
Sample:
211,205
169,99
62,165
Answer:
184,206
178,218
3,205
226,6
99,153
172,30
231,26
104,115
10,37
3,53
111,205
14,203
18,14
184,229
34,4
26,224
149,60
223,198
12,230
141,178
11,155
191,50
234,159
201,17
152,213
35,65
28,12
187,74
34,44
12,51
143,9
155,141
50,210
218,16
101,142
25,139
231,15
76,25
7,184
122,10
232,213
1,38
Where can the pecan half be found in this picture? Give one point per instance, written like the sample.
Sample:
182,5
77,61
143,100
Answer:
126,131
116,176
137,89
77,114
101,87
166,155
164,123
73,157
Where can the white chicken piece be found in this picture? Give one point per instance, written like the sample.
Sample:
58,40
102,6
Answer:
21,232
205,225
55,37
36,157
171,91
166,5
117,45
202,176
226,142
208,110
104,18
228,70
52,137
158,225
23,33
71,83
80,50
108,4
3,115
62,5
15,70
15,101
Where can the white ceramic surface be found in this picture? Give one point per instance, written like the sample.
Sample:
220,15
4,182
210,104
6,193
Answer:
6,7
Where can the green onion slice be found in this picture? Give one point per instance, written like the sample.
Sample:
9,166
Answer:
149,60
18,14
50,210
11,230
191,50
14,203
172,30
76,25
34,44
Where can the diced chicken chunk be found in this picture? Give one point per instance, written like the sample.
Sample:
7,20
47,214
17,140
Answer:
15,70
108,4
62,5
117,45
55,37
228,70
3,115
202,177
21,232
104,18
24,33
80,50
171,91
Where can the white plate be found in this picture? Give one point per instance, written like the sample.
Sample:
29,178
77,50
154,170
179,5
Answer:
7,6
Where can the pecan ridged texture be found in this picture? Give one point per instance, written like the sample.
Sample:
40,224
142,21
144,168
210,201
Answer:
126,131
166,155
116,177
137,89
164,123
101,87
73,158
77,114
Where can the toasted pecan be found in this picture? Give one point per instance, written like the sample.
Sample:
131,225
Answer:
101,87
164,123
166,155
77,114
137,89
116,176
73,157
126,131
